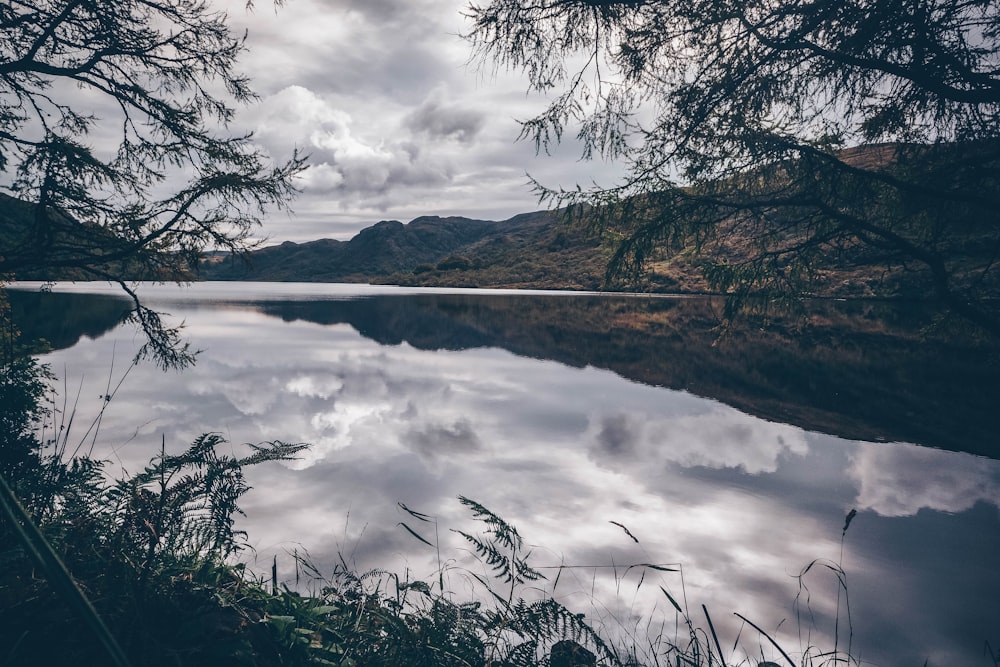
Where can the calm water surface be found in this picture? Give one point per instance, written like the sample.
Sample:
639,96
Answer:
420,396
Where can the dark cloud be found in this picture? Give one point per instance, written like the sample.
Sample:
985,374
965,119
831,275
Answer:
443,439
616,436
437,120
369,50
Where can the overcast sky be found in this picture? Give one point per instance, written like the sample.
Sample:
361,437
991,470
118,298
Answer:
397,122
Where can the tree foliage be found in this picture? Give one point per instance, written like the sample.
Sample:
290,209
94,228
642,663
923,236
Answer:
114,141
771,137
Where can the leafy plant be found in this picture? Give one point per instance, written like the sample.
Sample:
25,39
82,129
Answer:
143,562
185,505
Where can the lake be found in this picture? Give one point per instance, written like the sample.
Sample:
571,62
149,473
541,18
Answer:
611,430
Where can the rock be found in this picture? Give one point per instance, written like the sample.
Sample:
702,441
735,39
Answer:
568,653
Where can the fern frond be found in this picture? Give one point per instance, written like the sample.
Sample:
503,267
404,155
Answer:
498,561
524,654
524,572
505,534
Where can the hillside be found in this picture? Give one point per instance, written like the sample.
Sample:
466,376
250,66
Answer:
528,250
64,248
540,250
545,250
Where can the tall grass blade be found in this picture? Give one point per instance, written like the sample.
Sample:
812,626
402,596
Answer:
672,600
847,521
415,534
415,514
274,576
715,636
59,577
769,638
627,531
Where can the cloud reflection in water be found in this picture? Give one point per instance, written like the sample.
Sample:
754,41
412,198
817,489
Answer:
897,479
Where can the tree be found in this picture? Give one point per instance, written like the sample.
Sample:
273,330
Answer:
159,78
777,138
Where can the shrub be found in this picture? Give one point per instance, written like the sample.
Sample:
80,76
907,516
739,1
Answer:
455,263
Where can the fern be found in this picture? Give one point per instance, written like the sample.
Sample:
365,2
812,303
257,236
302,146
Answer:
502,532
186,504
519,632
502,551
524,654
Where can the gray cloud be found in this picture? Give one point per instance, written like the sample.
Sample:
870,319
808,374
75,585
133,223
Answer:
438,120
435,440
616,437
361,50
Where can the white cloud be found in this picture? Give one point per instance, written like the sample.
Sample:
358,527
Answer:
896,479
314,385
320,178
343,164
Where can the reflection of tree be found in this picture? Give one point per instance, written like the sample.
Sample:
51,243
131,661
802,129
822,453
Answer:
855,370
61,319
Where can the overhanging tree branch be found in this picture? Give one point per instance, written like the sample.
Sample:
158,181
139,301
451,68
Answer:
812,135
73,208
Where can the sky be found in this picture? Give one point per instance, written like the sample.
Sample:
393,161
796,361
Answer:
396,120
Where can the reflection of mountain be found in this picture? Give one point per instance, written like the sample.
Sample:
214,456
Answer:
61,318
853,370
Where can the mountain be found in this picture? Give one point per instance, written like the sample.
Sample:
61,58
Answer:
540,250
870,255
544,249
530,250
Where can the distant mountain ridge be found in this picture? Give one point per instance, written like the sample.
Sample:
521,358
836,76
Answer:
385,247
533,249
